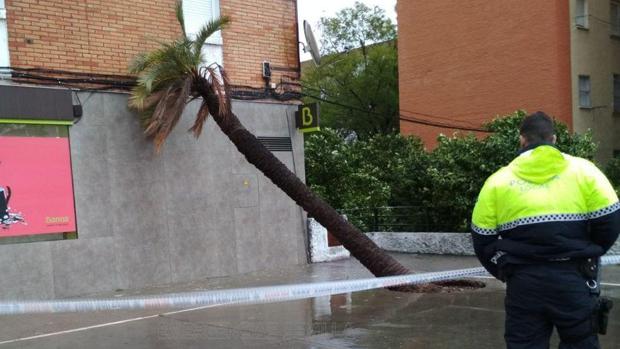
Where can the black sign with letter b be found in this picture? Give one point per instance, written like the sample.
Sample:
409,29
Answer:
307,117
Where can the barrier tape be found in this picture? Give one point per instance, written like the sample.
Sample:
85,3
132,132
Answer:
255,295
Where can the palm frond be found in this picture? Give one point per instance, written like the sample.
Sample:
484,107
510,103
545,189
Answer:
159,75
170,63
145,116
201,118
138,64
178,50
217,86
167,112
220,87
206,31
144,60
180,16
137,99
143,101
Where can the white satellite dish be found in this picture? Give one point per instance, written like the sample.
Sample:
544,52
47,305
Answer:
312,47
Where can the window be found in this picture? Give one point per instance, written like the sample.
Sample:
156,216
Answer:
197,13
616,93
581,14
584,91
4,42
614,18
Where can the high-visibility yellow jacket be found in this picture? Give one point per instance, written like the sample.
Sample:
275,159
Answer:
544,206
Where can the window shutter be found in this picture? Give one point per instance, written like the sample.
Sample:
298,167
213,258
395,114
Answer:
614,18
198,13
584,91
581,13
616,93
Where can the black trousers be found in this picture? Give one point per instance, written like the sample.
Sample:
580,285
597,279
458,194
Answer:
541,297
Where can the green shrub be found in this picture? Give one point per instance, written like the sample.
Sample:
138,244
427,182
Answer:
335,172
393,170
612,170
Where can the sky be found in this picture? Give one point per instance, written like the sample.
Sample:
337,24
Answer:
313,10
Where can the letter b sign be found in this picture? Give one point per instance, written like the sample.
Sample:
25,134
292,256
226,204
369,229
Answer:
307,117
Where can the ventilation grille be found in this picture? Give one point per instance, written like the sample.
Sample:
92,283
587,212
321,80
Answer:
277,143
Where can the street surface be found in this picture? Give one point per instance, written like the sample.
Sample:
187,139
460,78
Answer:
371,319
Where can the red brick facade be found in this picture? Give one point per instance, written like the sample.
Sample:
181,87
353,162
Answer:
95,36
468,62
260,31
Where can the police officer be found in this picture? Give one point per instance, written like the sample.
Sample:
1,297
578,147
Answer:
540,224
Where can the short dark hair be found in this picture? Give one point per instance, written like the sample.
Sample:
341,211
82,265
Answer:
537,128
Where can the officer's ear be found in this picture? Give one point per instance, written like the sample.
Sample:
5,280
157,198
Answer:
554,138
522,141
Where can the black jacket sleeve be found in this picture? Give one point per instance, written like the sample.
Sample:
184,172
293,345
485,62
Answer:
604,230
484,246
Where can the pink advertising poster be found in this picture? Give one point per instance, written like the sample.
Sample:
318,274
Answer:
36,186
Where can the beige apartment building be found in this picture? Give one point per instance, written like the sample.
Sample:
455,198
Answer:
595,72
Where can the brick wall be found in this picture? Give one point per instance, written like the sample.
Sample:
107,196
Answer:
86,36
260,31
469,63
96,36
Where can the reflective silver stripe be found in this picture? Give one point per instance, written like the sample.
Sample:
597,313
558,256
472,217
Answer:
483,231
497,256
605,211
560,217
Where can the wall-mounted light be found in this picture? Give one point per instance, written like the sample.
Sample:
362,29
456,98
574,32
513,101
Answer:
78,111
266,71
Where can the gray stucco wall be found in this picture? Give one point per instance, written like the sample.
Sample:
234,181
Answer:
195,211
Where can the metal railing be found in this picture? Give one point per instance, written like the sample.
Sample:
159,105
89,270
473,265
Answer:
405,219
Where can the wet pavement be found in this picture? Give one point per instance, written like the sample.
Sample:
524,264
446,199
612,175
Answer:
371,319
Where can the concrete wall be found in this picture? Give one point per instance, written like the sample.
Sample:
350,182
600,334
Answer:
319,248
596,53
198,210
425,243
435,243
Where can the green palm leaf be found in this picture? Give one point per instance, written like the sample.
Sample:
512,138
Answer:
206,31
181,17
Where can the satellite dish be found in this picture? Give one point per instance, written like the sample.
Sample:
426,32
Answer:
312,47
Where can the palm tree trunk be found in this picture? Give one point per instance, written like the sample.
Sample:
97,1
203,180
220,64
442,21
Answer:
375,259
361,247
